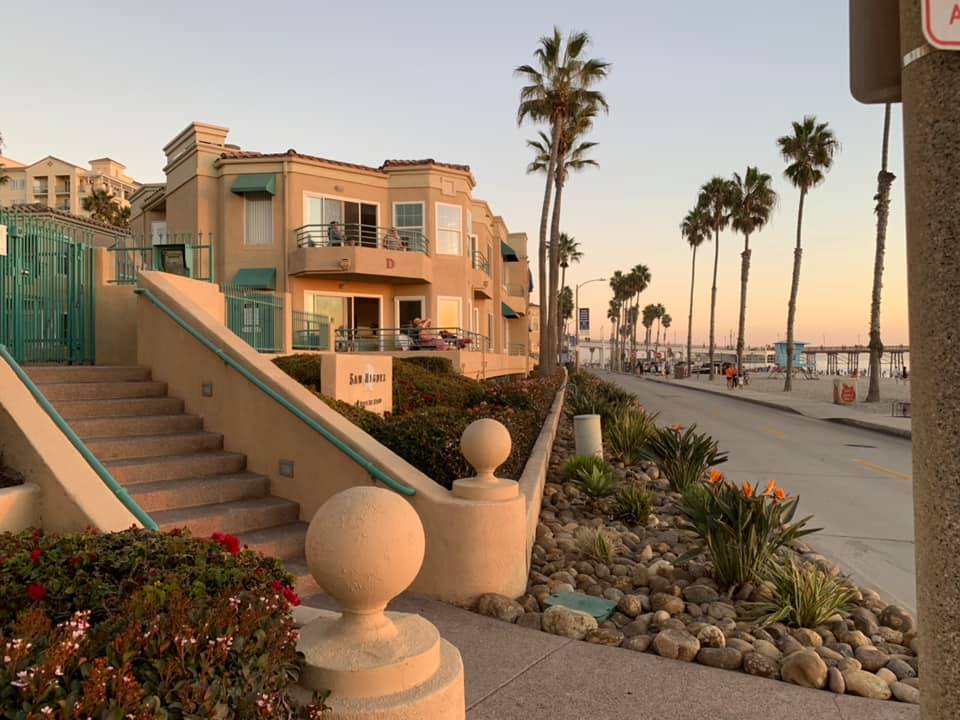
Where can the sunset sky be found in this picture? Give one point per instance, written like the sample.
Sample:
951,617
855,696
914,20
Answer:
697,89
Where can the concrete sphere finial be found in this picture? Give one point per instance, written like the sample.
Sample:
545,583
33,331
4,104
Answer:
486,444
364,547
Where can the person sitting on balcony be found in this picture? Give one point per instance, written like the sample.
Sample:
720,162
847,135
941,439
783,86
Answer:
426,338
392,241
335,234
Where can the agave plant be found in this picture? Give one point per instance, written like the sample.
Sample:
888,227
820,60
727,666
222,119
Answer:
582,463
628,433
739,528
597,543
632,504
804,596
682,455
596,481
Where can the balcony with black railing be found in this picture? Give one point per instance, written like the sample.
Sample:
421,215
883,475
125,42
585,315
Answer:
351,250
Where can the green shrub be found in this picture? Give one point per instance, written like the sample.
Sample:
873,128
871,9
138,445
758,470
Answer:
805,596
682,455
435,365
574,465
632,504
145,625
423,382
596,543
739,528
583,398
596,481
627,435
302,367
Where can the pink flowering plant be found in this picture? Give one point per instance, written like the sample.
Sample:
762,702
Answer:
145,625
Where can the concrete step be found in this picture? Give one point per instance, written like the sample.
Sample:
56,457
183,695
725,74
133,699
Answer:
190,492
127,407
86,373
176,467
304,584
234,517
113,427
283,542
152,446
102,390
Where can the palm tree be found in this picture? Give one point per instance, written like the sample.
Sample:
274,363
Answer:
666,321
613,315
884,181
752,203
715,198
649,315
617,285
638,281
569,253
558,89
695,228
660,312
101,204
809,152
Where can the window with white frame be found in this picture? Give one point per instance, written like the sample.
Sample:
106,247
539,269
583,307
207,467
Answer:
448,312
469,222
408,216
258,225
449,229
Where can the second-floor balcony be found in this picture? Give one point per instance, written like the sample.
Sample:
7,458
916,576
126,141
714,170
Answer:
355,251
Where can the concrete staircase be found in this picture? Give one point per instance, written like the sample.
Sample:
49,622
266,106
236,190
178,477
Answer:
175,470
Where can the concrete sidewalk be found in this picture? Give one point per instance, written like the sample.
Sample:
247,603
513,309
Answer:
517,674
898,427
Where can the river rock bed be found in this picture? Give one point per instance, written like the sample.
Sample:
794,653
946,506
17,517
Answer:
677,611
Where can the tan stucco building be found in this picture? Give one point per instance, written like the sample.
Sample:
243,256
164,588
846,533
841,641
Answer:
370,248
61,185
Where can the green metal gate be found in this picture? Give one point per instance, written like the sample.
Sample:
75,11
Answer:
46,291
256,316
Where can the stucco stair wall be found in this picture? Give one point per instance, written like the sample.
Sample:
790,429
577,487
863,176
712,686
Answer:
175,470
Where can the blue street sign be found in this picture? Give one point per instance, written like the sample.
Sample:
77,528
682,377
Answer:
584,319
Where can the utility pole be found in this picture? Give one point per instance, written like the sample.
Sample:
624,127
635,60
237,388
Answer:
576,319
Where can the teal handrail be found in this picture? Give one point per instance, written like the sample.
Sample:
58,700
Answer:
372,469
116,488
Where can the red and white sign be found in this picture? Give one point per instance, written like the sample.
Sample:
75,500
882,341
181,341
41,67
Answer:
941,23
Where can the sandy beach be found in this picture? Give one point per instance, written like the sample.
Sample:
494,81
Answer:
822,389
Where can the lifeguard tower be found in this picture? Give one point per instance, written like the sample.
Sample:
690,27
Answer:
806,368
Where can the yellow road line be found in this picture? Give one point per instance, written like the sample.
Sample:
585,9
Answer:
775,433
880,468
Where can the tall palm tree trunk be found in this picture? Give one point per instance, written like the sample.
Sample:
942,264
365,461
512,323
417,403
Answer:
554,276
547,347
794,286
713,298
744,275
884,181
560,319
693,274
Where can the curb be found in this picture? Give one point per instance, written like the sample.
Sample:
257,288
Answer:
853,422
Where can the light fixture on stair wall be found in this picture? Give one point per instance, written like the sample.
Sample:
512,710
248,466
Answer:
285,468
206,389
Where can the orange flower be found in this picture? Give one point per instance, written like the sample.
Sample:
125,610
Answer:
748,490
677,427
771,487
779,494
715,476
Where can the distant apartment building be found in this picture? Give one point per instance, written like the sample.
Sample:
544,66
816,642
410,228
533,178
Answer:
369,250
61,185
534,317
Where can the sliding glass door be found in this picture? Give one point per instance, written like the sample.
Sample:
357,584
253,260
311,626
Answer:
357,220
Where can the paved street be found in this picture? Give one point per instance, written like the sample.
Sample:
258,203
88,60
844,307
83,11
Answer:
857,483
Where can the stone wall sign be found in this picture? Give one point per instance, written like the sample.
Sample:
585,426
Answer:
364,381
941,23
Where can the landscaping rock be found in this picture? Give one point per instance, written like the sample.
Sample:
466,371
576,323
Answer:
761,665
558,620
835,681
808,638
700,594
630,605
531,620
871,658
722,611
865,684
676,645
605,636
901,669
897,618
499,606
905,693
886,675
767,648
710,636
742,645
667,603
788,645
638,643
804,668
854,639
727,658
865,621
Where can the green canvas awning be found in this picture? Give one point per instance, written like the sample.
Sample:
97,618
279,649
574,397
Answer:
256,278
508,253
508,312
254,184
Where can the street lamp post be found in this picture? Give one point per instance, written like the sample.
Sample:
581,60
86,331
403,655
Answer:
576,319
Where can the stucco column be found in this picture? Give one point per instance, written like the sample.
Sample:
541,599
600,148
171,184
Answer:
931,124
